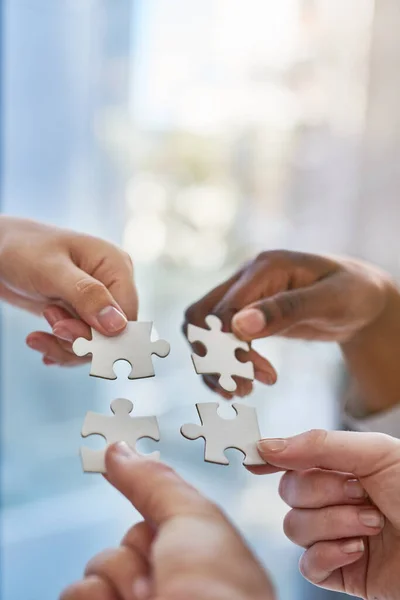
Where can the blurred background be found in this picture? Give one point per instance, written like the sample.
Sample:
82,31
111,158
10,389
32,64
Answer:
196,133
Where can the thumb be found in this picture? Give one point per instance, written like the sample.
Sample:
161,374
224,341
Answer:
91,300
362,454
374,458
271,316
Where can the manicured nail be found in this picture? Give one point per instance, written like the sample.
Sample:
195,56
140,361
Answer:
122,451
63,333
371,518
354,489
353,547
37,345
249,321
273,445
142,588
112,319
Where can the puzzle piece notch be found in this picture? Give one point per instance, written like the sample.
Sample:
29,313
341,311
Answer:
220,358
134,345
120,427
241,433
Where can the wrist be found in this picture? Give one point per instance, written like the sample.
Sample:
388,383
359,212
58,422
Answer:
371,356
384,319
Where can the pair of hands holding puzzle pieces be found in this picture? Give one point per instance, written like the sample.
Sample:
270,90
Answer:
135,346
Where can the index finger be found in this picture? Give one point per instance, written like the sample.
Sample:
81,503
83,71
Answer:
153,488
363,454
197,312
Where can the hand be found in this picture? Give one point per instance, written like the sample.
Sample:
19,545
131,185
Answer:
344,489
76,281
185,547
296,295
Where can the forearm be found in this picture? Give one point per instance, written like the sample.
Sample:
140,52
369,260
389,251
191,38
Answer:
9,228
373,358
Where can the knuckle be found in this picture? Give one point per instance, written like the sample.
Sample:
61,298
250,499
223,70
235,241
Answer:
296,487
126,262
266,256
88,287
290,526
289,304
263,256
75,591
139,531
316,438
285,487
274,256
100,562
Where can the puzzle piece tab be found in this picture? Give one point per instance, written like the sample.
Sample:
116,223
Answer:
220,358
133,345
219,434
120,427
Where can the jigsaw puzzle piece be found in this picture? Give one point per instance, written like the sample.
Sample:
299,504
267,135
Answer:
205,364
160,348
141,361
241,433
99,367
118,428
93,461
213,451
133,345
220,358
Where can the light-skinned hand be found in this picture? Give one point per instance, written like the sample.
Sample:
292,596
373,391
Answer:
76,281
185,547
344,490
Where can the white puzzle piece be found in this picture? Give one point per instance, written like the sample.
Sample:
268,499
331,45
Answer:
219,434
120,427
133,345
220,358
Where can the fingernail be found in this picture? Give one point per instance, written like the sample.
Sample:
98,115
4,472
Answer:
371,518
249,321
63,333
112,319
273,445
354,489
122,451
37,345
142,588
353,547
